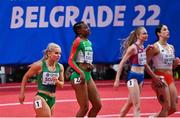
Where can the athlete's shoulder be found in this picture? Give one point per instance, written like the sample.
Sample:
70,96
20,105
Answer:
77,41
61,66
156,48
90,42
36,65
156,45
170,45
133,47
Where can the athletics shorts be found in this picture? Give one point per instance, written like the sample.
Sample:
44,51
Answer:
49,100
138,76
167,77
77,75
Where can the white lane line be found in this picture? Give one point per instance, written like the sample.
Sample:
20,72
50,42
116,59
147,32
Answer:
74,100
68,85
130,115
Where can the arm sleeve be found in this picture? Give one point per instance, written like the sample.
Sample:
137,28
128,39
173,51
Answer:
71,60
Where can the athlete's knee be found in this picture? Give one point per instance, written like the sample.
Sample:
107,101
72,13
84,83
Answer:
84,108
165,106
162,99
136,106
98,106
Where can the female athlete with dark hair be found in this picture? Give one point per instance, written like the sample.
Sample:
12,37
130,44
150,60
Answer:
80,60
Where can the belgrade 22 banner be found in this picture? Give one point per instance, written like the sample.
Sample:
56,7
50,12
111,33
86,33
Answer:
27,26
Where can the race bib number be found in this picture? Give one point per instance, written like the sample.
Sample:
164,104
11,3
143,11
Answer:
168,59
88,56
142,58
77,80
49,78
130,83
80,57
38,104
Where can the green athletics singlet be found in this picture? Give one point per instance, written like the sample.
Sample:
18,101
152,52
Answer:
81,52
45,78
84,53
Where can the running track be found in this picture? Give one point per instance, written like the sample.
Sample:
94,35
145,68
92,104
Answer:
66,105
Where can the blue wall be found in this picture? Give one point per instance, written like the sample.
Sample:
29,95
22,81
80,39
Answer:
27,26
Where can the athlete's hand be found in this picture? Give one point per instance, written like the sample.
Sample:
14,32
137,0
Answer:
116,83
158,81
176,62
90,67
68,73
21,98
149,47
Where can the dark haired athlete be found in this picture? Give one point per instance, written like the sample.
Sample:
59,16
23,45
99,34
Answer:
80,59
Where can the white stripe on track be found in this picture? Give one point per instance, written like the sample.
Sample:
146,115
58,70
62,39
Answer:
130,115
68,85
74,100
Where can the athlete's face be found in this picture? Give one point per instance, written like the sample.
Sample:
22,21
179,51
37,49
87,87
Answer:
164,33
143,35
55,54
85,31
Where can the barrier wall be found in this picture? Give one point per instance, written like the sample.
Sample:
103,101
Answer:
27,26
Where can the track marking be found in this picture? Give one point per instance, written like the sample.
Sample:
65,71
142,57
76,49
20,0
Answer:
68,85
130,115
74,100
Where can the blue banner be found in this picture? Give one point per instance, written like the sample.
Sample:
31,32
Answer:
27,26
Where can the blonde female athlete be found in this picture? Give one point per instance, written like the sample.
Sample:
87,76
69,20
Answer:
49,74
136,55
163,58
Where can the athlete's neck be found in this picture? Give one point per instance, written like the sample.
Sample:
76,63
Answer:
140,44
162,42
83,37
50,63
